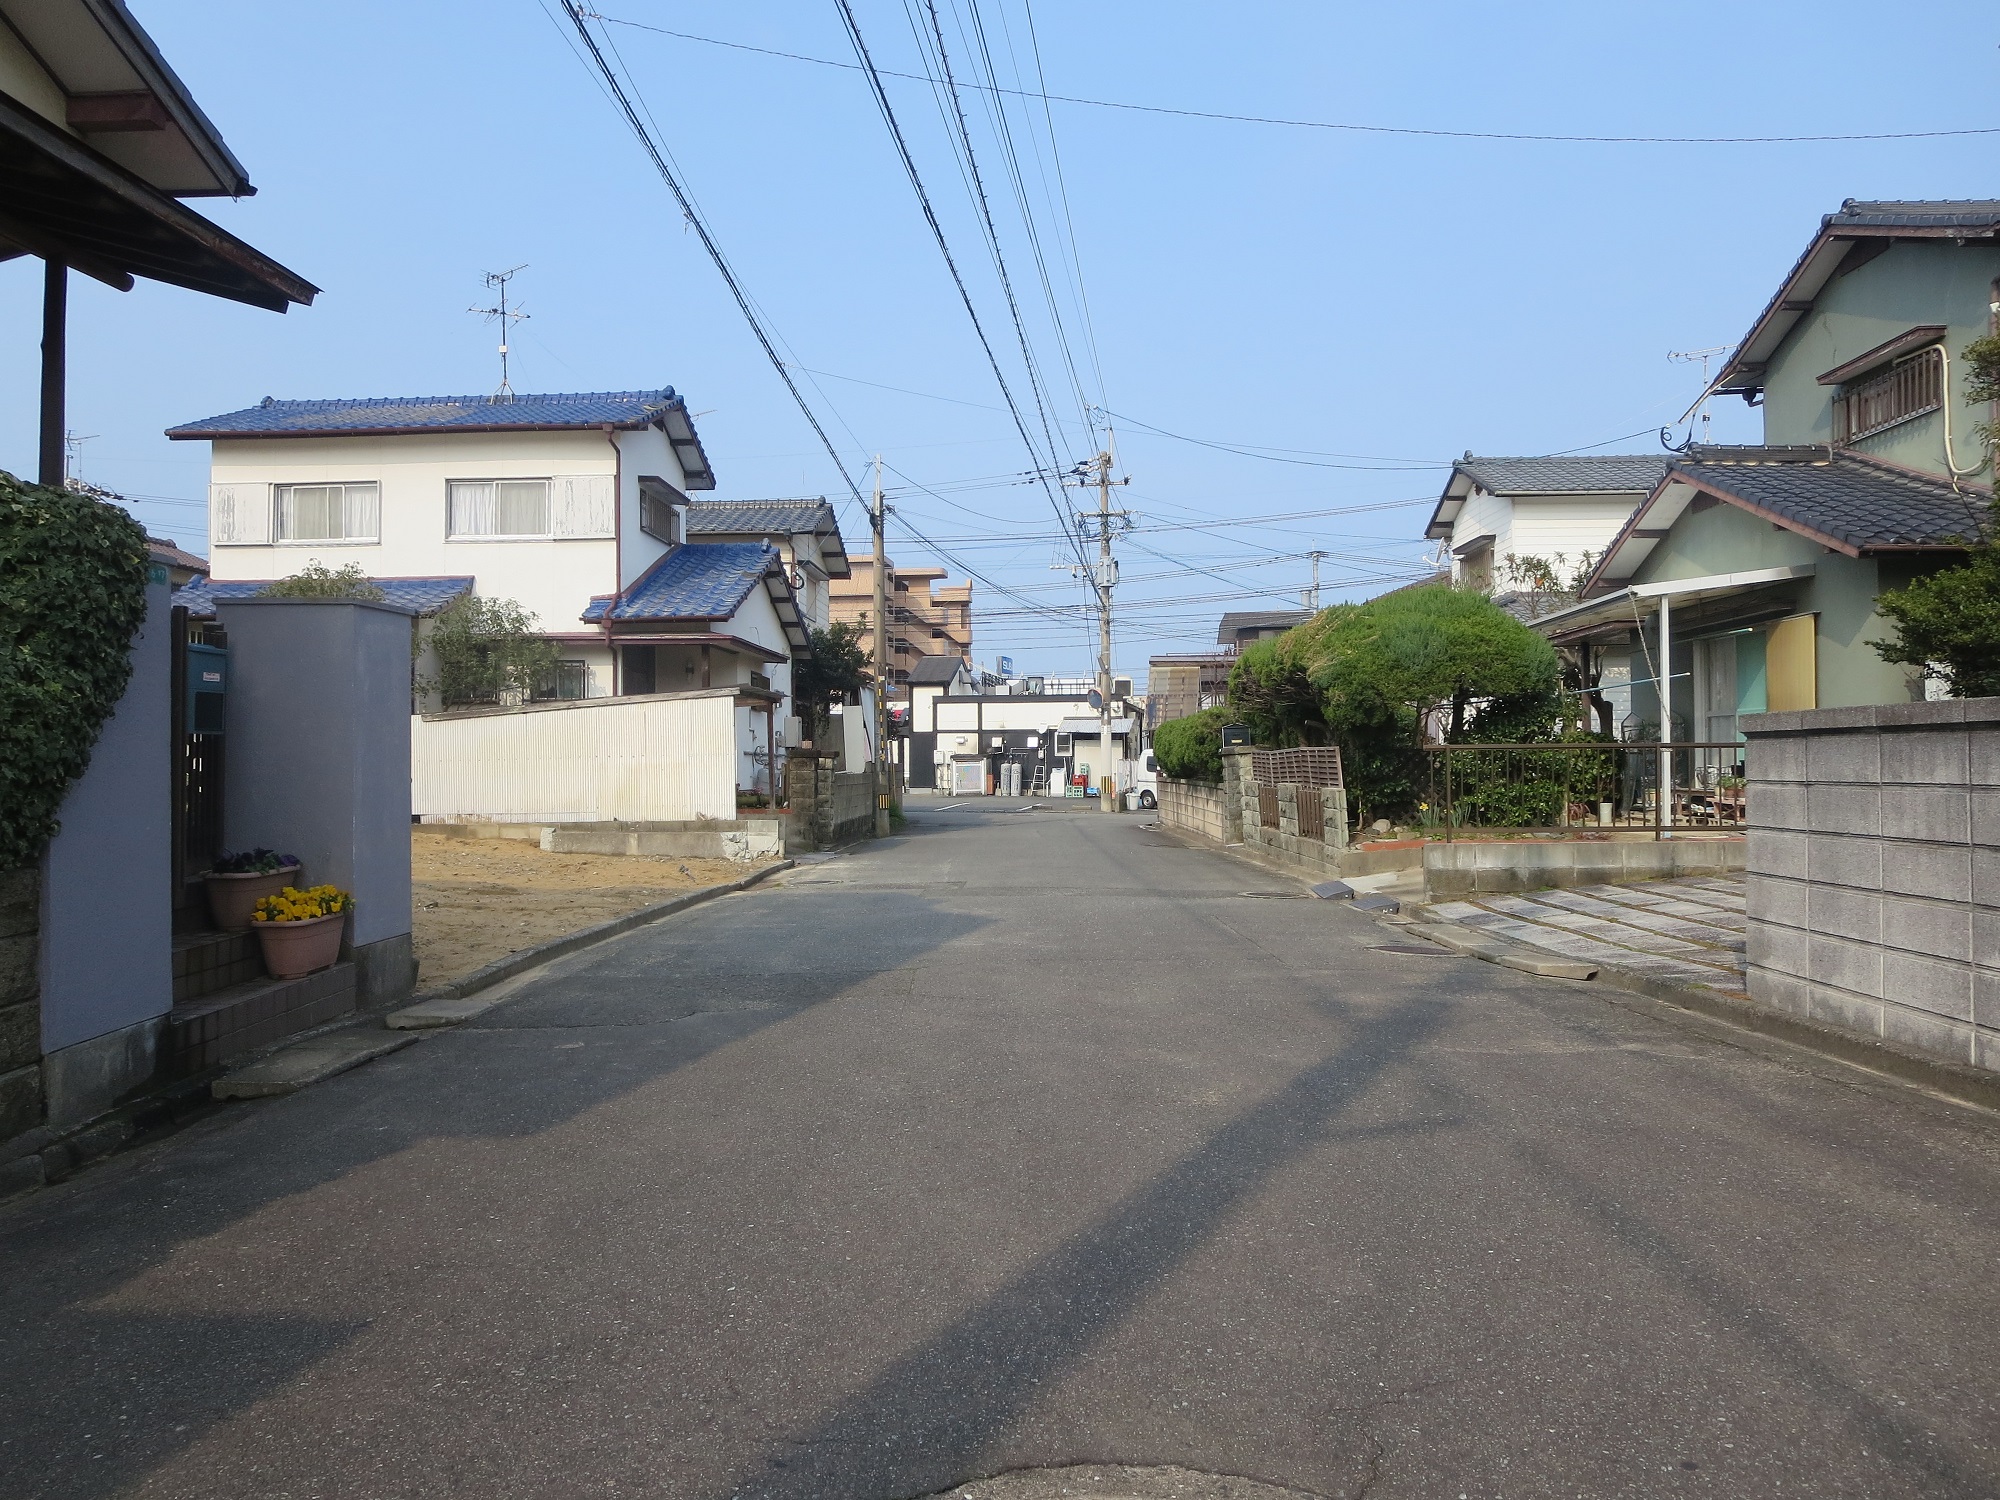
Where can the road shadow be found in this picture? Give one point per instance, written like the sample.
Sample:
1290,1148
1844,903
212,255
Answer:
928,1421
92,1398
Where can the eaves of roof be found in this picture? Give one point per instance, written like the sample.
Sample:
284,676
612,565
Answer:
95,49
1847,502
1859,230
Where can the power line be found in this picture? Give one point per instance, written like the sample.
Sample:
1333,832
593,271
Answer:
576,15
1349,126
1036,384
937,230
1371,463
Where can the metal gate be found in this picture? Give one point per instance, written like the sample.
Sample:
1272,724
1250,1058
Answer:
197,770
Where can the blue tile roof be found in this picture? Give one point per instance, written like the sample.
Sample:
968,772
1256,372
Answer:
695,581
426,596
393,414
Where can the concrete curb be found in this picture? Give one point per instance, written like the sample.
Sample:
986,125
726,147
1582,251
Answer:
541,953
1960,1081
290,1069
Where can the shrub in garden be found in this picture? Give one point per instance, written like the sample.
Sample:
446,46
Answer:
1190,748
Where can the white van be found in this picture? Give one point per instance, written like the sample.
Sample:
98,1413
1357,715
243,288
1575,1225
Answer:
1144,788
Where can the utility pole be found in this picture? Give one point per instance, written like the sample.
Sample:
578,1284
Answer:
881,659
1312,599
1107,579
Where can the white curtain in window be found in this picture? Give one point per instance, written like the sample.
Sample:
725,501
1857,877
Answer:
522,507
473,508
361,512
309,513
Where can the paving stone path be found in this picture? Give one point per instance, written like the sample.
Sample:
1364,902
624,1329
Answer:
1684,931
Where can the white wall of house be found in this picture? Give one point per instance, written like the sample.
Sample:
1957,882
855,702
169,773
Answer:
1537,526
640,453
1544,525
661,758
594,504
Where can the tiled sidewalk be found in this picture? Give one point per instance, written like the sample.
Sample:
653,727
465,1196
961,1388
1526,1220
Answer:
1683,931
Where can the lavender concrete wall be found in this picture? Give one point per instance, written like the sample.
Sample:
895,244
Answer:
319,761
1874,884
106,945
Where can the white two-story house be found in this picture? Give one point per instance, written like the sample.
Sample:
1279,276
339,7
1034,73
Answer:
1562,511
571,505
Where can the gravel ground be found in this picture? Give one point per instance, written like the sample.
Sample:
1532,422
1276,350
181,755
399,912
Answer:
477,900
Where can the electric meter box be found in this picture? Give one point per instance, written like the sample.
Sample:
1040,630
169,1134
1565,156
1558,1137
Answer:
207,689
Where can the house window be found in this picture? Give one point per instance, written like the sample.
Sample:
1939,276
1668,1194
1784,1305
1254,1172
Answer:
566,679
1062,744
659,516
328,513
499,507
1909,388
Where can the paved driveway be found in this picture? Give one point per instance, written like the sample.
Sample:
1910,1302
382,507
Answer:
1026,1139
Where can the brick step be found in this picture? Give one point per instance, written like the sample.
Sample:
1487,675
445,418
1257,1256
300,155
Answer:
207,962
243,1017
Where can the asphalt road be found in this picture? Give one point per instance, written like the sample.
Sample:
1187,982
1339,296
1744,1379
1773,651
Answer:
1025,1140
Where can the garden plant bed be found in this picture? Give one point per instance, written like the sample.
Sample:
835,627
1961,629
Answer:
477,900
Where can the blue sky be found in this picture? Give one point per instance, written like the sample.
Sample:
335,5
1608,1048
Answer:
1405,298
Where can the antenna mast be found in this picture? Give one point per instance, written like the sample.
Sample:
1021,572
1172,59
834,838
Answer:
506,317
1688,357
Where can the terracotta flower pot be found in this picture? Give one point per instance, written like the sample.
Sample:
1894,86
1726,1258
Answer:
231,898
295,949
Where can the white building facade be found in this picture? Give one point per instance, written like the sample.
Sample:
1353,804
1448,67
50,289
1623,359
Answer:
547,500
1500,516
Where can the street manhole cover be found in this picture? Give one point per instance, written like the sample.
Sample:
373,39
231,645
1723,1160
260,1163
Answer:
1119,1482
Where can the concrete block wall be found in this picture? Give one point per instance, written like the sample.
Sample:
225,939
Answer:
1196,806
1874,871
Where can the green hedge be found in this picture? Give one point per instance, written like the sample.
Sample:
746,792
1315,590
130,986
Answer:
1190,748
72,596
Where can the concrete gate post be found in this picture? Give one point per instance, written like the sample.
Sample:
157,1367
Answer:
319,761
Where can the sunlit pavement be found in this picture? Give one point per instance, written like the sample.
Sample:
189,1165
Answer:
1021,1141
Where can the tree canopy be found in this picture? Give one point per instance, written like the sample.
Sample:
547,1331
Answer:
488,652
838,666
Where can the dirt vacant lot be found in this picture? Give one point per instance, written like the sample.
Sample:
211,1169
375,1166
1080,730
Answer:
475,899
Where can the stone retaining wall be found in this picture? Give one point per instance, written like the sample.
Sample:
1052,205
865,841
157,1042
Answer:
1243,805
1874,886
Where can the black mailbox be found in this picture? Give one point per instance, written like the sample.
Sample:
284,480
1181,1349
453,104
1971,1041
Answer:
1235,734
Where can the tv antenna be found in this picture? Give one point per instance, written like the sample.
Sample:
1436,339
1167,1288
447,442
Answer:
506,317
1688,357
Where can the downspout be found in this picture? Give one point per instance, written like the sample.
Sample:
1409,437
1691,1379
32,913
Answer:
1664,790
617,551
1950,458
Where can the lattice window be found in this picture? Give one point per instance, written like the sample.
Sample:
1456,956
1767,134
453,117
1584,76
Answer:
1908,389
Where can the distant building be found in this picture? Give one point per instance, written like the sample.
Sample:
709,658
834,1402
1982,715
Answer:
1179,684
924,619
1239,629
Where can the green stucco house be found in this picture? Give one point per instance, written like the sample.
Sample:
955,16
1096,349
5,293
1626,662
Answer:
1754,571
